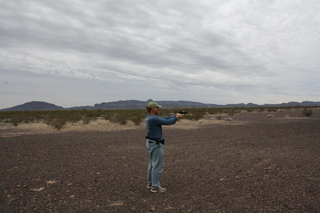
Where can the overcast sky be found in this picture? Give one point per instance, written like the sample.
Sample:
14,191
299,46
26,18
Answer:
79,52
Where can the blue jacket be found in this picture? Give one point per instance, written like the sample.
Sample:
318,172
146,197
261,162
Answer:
154,125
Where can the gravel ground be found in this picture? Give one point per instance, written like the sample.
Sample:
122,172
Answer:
257,165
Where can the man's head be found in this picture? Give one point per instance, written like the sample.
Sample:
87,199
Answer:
153,108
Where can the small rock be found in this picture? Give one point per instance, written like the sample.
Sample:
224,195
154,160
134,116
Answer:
37,190
270,116
116,203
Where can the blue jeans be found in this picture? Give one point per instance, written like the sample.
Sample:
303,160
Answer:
156,163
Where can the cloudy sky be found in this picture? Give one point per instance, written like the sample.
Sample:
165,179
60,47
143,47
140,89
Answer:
79,52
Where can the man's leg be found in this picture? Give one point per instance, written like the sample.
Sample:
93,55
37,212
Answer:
150,171
150,148
157,164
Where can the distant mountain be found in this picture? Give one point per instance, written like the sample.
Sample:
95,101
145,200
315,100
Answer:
80,108
34,106
294,103
135,104
128,104
185,104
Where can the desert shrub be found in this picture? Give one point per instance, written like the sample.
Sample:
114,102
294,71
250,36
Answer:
194,116
57,123
118,118
86,120
16,119
3,116
112,118
74,117
137,116
261,109
37,116
106,116
57,119
250,109
233,110
224,110
137,119
92,114
307,112
121,119
214,110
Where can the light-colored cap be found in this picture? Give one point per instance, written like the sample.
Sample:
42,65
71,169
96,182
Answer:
153,104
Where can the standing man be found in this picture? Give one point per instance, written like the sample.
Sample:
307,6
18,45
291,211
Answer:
155,145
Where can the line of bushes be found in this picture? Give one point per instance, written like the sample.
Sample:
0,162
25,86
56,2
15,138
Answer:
59,118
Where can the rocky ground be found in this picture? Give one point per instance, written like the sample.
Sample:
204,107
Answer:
250,164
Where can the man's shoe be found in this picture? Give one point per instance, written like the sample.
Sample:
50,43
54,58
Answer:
149,186
158,190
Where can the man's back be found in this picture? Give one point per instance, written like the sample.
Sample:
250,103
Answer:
154,124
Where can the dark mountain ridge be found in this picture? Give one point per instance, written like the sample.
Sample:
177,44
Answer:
34,106
136,104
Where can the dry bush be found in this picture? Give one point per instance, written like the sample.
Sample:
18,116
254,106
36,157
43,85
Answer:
57,123
118,118
307,112
194,116
137,119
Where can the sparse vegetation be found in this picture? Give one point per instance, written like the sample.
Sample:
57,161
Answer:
137,116
57,123
119,118
59,118
307,112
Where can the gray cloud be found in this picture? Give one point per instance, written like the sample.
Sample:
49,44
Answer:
208,51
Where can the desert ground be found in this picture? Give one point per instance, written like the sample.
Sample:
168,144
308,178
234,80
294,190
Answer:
249,164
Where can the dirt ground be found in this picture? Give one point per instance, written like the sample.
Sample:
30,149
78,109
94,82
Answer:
249,164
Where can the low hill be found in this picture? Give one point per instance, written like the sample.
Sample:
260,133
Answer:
34,106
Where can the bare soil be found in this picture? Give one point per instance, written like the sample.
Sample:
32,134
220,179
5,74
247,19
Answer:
250,164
